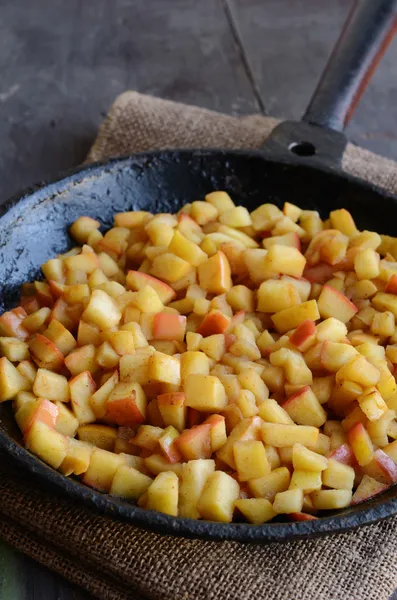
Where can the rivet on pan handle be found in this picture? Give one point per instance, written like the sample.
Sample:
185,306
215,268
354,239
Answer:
318,138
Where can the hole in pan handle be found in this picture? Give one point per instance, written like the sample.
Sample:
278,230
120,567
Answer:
318,137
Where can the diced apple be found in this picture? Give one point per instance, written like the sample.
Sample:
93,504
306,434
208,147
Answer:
194,476
195,443
290,501
256,510
137,280
304,408
307,460
215,275
102,468
172,409
251,459
331,499
129,483
66,422
135,367
268,486
279,435
246,429
169,326
45,353
338,475
164,368
81,388
359,370
82,359
218,497
77,459
275,295
217,432
126,404
62,338
307,481
51,386
204,392
367,488
162,494
11,324
290,318
332,303
46,443
11,380
361,444
271,412
101,436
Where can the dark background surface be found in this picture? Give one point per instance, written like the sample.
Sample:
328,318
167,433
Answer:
62,63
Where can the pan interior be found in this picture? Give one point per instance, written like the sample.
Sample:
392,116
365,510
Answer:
35,228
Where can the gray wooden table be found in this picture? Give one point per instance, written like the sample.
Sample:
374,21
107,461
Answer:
62,62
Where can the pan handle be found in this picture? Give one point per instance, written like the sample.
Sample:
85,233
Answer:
318,138
368,31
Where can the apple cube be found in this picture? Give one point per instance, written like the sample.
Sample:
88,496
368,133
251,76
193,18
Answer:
213,323
81,388
157,463
126,404
333,355
290,501
102,468
246,429
51,386
361,444
46,443
137,280
331,499
162,494
275,295
338,475
307,481
169,326
304,335
187,249
368,488
172,409
82,359
102,310
359,370
40,410
290,318
285,260
332,330
251,459
194,476
367,264
195,443
135,367
332,303
272,412
62,338
304,459
28,370
204,392
81,229
268,486
246,403
304,408
66,422
218,497
279,435
162,367
215,275
129,483
217,432
14,349
194,362
11,324
98,435
11,380
45,353
77,459
240,297
256,510
372,404
386,465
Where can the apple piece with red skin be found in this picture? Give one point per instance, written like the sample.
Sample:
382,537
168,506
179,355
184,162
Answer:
45,353
230,338
303,335
195,443
391,286
169,326
11,323
172,409
368,488
126,405
137,280
237,319
44,295
319,273
332,303
42,410
386,464
361,444
168,446
300,516
67,314
344,454
213,323
218,431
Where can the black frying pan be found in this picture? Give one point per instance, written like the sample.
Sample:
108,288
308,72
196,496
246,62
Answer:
299,163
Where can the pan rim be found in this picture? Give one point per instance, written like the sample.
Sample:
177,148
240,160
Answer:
159,522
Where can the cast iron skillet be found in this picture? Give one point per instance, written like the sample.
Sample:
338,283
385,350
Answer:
300,163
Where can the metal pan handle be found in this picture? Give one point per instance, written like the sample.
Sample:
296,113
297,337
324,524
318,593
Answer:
365,37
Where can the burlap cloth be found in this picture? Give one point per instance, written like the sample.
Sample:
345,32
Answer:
114,560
